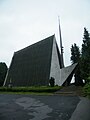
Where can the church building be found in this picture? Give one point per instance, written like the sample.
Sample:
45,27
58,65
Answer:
37,63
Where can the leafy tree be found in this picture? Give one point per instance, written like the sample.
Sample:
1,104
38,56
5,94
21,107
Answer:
75,53
3,71
85,58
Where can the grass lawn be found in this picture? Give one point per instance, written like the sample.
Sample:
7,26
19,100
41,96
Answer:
40,90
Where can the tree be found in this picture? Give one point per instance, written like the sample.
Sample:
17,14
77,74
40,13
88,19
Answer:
75,53
3,71
85,58
75,58
86,44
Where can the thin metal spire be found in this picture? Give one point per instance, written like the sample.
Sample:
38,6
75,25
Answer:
61,47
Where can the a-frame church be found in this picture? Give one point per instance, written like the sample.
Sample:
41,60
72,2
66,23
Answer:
36,64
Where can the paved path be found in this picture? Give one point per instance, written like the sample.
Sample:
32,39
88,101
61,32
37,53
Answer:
32,107
71,90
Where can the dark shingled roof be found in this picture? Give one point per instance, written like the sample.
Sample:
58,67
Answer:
31,65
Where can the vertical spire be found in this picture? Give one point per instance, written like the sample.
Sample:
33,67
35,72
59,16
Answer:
61,47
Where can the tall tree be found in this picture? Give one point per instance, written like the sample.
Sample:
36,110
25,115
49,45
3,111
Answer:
3,71
75,53
85,58
75,58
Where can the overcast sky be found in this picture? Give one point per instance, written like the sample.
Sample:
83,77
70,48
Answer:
24,22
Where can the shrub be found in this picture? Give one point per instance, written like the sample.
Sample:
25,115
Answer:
52,82
87,90
88,80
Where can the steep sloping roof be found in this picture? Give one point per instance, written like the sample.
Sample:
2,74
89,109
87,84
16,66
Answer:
66,72
31,65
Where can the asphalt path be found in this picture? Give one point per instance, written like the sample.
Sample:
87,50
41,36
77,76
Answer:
50,107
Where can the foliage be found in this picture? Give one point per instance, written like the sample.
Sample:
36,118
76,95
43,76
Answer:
87,90
52,82
3,71
75,58
86,44
30,89
85,57
88,80
75,53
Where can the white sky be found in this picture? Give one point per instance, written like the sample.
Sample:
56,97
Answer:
24,22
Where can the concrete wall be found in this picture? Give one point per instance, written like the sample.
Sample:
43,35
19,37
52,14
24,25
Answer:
65,72
55,67
60,75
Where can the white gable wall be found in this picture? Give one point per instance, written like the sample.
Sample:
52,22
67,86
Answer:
55,67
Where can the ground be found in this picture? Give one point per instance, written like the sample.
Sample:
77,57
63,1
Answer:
48,107
71,90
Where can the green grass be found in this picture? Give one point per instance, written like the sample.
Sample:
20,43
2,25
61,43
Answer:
30,90
27,93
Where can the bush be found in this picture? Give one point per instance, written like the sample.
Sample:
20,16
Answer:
88,80
52,82
87,90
